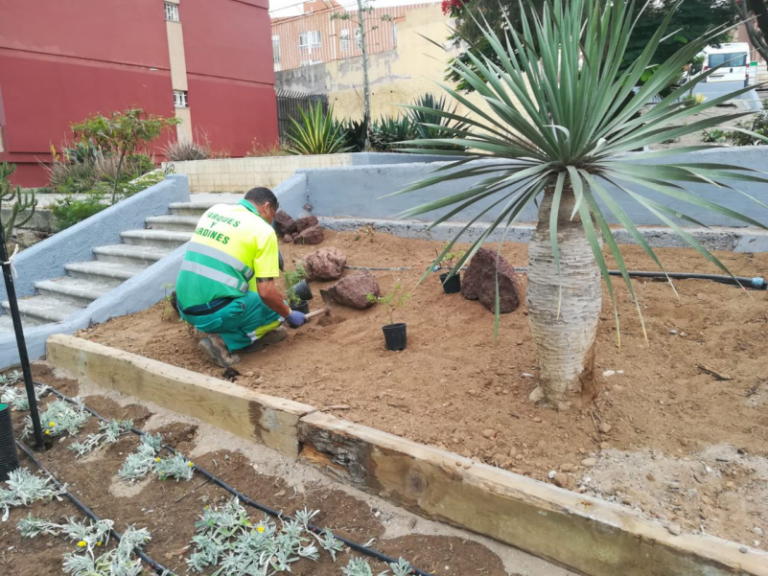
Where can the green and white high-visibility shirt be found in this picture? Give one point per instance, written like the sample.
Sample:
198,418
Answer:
232,246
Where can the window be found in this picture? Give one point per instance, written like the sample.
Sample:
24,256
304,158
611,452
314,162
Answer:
728,60
310,62
344,40
180,98
171,12
358,39
310,39
276,49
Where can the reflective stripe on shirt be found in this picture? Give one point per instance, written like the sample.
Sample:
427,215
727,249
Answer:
214,275
222,257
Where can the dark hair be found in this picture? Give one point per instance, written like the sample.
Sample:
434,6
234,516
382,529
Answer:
259,196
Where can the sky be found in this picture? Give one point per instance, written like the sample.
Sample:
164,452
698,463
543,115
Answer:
284,8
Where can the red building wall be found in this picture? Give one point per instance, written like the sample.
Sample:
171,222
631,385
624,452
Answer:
228,50
62,60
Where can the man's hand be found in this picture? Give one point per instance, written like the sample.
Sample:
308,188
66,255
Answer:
271,296
295,318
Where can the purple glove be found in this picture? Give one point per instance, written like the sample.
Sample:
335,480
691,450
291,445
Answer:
295,318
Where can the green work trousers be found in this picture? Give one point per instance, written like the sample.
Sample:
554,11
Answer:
240,323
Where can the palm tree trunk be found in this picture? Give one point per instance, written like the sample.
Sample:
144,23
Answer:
565,344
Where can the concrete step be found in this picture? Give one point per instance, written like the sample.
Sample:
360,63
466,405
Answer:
173,223
111,273
6,323
156,238
130,255
200,202
76,291
44,309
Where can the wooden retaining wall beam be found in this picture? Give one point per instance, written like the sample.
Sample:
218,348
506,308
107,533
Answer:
266,419
585,534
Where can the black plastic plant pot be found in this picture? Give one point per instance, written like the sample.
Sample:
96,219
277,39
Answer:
9,458
452,284
394,336
302,306
301,289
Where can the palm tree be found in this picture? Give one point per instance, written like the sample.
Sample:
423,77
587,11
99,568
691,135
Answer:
564,114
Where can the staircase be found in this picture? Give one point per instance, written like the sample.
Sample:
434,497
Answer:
59,298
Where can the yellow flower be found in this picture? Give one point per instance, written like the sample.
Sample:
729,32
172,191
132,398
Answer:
52,424
82,544
260,529
47,432
157,459
98,543
190,464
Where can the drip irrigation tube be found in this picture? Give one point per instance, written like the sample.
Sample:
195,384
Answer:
757,283
155,566
246,500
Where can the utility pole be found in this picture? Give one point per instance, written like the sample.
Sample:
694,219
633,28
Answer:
366,85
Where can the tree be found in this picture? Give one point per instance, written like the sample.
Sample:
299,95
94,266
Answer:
363,7
121,134
563,115
20,201
757,25
690,20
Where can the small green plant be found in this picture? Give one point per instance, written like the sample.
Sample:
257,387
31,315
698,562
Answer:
360,567
291,278
60,417
186,150
227,539
22,204
175,466
393,300
90,539
449,259
713,136
109,433
428,121
316,133
141,462
69,210
25,488
17,397
355,134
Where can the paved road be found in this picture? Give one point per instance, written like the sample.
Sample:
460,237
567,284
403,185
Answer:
716,89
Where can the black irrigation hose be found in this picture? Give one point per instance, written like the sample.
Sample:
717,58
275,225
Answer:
246,500
756,283
155,566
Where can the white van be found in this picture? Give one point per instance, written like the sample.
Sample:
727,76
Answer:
733,59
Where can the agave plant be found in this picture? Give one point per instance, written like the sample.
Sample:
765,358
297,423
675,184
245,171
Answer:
428,123
316,133
390,130
355,134
564,114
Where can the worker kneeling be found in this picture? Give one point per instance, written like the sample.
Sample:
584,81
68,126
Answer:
226,286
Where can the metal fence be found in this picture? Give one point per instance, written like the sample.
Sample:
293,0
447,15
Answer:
290,103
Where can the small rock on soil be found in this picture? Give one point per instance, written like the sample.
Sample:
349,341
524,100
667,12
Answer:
312,235
479,282
284,224
353,290
306,222
325,264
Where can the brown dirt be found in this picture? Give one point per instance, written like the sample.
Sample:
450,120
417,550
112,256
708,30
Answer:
169,509
453,383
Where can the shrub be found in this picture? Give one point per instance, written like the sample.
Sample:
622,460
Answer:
185,150
712,136
355,134
70,177
427,116
316,133
259,150
68,211
390,130
758,124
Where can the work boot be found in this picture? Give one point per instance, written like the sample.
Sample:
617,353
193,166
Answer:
217,351
271,337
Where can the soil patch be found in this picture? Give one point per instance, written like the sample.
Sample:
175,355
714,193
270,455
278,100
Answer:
454,387
169,509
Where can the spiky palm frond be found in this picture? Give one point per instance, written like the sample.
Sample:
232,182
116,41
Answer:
316,133
562,115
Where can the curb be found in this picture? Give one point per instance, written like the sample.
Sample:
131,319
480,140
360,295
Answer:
585,534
